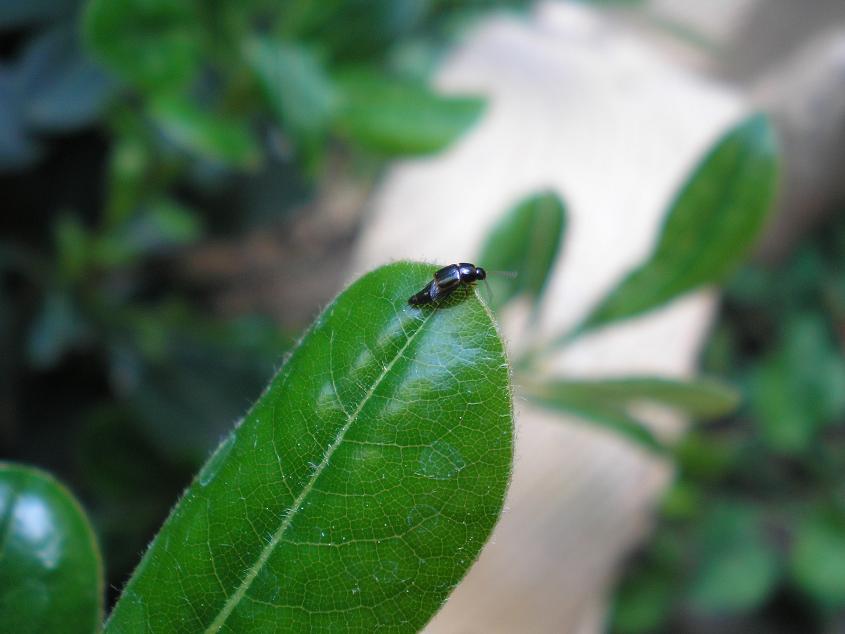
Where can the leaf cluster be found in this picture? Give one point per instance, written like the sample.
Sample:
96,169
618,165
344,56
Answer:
753,531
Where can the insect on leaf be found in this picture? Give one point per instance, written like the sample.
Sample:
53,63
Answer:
360,487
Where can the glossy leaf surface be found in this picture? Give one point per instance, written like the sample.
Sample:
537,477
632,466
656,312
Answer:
398,117
357,491
526,241
710,226
50,568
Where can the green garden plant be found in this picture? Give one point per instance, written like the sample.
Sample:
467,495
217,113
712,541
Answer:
361,486
354,495
709,226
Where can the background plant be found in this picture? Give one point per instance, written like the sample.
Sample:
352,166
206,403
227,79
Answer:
130,134
751,536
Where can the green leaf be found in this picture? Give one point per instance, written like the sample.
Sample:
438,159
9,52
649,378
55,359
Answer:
700,398
643,603
526,241
205,133
14,15
398,118
297,87
609,402
356,30
162,224
738,568
799,388
155,44
818,557
710,226
610,416
57,328
358,490
61,87
50,570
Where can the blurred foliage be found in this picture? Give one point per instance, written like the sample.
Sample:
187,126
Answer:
129,133
708,228
752,537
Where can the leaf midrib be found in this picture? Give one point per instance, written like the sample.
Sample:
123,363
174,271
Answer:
233,600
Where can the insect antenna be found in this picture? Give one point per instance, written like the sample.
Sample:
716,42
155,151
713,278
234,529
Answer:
508,274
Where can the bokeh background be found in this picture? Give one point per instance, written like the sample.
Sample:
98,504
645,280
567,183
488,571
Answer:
185,184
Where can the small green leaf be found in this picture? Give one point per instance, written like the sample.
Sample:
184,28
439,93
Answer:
396,118
818,557
643,603
51,576
526,241
155,44
738,567
162,224
710,226
57,328
297,87
799,388
204,133
358,490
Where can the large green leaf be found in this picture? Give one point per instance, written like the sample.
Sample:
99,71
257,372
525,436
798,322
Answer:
398,117
50,569
155,44
526,241
710,226
297,87
357,491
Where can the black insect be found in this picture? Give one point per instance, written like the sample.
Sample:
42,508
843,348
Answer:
446,280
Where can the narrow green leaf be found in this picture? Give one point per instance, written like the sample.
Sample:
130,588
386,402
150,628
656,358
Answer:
357,491
51,577
297,87
609,401
155,44
610,417
710,226
204,133
701,398
526,241
397,117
